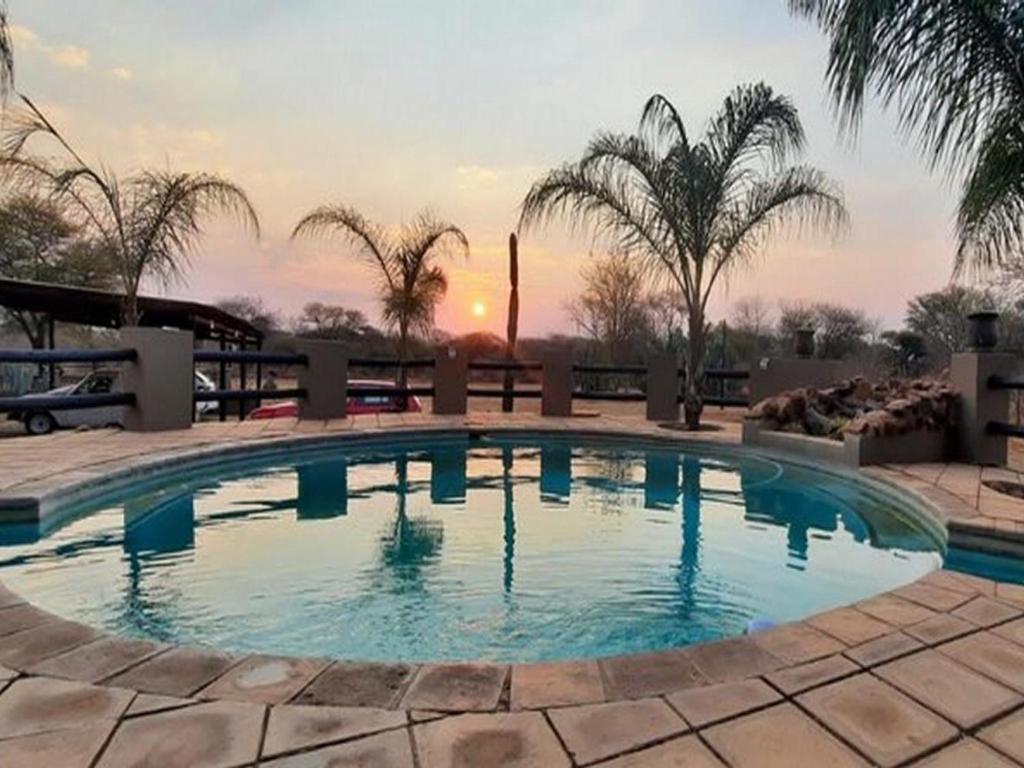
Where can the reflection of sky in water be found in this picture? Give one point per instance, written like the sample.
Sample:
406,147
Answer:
508,551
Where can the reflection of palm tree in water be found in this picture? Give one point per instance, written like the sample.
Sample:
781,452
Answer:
689,560
410,544
510,517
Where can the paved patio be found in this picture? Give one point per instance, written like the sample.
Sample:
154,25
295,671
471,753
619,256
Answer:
930,674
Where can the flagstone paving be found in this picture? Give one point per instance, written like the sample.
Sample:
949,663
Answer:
930,674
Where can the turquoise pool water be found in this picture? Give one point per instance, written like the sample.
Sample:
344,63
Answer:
494,548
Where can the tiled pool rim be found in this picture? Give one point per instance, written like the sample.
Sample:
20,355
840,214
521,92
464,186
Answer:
939,610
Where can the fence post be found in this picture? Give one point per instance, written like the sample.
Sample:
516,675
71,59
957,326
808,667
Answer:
969,373
663,388
160,377
325,378
451,377
556,385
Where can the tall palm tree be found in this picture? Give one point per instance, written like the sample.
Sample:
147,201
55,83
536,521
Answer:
411,284
954,69
692,211
150,222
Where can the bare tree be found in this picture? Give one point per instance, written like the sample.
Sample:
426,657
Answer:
611,309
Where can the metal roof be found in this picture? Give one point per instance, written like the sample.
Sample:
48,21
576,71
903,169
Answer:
88,306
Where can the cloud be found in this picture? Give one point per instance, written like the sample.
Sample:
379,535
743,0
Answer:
23,36
477,177
67,56
122,73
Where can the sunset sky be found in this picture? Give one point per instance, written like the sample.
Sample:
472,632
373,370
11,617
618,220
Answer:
395,105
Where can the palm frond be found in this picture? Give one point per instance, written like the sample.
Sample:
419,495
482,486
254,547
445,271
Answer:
798,196
352,225
991,214
946,64
601,201
754,123
662,121
165,213
427,233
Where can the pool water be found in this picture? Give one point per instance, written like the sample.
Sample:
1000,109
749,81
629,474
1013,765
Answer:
511,550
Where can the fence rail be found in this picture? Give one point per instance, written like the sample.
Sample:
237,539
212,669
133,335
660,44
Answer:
725,374
65,402
620,397
723,402
514,388
612,370
51,356
240,356
228,395
1004,429
506,365
367,391
1003,382
385,363
519,394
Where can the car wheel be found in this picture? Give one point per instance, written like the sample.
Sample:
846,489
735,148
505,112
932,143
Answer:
39,423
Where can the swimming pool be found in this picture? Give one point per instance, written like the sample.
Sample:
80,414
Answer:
450,548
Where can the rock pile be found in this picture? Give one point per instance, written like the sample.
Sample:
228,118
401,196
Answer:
858,407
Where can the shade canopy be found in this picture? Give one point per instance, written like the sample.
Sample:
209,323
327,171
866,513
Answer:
103,309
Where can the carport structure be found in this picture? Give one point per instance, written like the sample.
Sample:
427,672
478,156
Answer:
103,309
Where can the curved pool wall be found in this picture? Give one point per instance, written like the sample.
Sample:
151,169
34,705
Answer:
610,545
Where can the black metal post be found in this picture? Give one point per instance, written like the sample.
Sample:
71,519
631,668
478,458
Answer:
222,381
259,370
51,334
243,375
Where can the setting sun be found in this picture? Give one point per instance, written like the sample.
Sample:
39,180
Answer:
479,309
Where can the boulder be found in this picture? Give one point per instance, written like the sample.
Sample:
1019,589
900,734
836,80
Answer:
858,407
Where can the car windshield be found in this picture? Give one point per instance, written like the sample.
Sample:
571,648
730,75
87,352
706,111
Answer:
97,385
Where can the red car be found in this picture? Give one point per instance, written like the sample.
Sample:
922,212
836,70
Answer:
356,403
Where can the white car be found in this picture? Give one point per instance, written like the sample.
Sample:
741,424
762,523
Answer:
39,421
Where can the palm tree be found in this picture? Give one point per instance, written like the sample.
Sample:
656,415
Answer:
149,223
411,285
692,212
954,69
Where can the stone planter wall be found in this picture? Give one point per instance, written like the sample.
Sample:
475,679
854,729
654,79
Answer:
855,450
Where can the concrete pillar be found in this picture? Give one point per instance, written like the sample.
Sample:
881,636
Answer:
556,385
663,388
451,379
160,378
325,378
969,373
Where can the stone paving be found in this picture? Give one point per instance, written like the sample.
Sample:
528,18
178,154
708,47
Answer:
931,674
